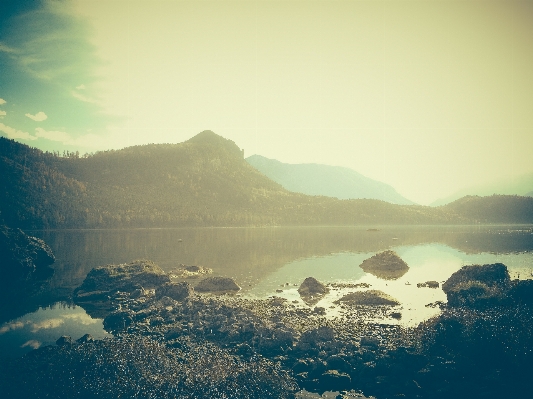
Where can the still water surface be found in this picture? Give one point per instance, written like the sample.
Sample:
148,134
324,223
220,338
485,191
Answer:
265,262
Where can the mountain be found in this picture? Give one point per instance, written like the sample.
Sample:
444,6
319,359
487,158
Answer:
521,185
204,181
330,181
494,208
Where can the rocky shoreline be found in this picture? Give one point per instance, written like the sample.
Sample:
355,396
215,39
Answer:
221,345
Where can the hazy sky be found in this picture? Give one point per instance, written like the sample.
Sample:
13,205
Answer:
429,96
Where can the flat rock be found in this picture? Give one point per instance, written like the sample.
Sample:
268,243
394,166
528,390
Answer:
176,291
368,298
191,271
217,284
386,265
105,281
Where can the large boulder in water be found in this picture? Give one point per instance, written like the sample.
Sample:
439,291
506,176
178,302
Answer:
386,265
311,286
217,284
368,298
312,290
477,285
105,281
24,261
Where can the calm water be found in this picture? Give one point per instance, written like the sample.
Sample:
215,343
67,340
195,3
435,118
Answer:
263,261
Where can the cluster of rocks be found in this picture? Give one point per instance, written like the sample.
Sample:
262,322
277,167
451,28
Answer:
440,358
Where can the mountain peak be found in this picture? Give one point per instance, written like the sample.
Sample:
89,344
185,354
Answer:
208,137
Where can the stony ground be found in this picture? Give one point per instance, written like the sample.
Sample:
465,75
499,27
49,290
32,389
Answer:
223,346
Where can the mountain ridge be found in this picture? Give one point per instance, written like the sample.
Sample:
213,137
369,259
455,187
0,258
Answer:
331,181
199,182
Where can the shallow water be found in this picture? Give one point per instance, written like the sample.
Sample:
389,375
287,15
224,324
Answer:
264,261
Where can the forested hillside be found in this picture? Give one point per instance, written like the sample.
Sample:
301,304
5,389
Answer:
201,182
494,208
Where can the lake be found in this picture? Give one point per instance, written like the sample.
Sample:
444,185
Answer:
264,262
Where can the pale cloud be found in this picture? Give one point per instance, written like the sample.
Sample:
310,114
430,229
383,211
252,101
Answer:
11,326
38,117
47,324
81,87
13,133
2,114
2,101
81,318
54,135
32,343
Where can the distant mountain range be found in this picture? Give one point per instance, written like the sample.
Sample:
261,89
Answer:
521,185
204,181
330,181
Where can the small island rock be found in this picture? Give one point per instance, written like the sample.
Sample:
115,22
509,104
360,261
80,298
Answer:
386,265
368,298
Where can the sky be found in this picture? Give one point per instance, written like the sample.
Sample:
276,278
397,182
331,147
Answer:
429,96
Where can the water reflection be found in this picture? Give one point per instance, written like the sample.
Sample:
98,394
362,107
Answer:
265,261
45,326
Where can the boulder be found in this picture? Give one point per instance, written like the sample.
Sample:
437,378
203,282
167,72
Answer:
176,291
24,260
333,380
106,281
386,265
118,320
64,340
368,298
311,286
85,339
320,334
217,284
477,285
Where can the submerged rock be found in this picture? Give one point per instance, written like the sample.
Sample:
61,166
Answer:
386,265
217,284
105,281
429,284
368,298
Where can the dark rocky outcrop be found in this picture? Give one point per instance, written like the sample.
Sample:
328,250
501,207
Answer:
217,284
368,298
386,265
477,285
25,261
176,291
105,281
